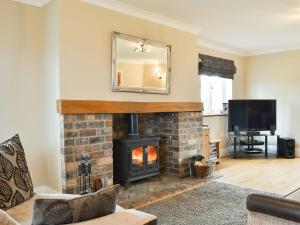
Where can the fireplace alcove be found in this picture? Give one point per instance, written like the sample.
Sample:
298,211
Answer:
135,157
92,126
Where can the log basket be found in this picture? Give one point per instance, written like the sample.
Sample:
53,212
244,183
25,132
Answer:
204,170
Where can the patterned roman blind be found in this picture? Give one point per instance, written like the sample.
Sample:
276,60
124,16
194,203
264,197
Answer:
214,66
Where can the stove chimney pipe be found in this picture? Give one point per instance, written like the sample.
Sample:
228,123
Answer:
133,125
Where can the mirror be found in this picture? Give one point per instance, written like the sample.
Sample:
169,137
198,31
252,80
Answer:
140,65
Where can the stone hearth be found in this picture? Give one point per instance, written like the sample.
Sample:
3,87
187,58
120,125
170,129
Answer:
180,134
152,190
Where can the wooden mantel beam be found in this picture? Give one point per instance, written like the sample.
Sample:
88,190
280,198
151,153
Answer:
93,106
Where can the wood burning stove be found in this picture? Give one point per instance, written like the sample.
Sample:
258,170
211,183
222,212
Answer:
135,157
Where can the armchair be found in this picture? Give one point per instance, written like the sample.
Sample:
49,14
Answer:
269,210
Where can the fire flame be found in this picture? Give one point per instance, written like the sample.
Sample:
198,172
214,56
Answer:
152,153
137,155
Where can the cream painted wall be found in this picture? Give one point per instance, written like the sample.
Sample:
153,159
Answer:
218,124
50,84
276,76
29,88
86,54
21,97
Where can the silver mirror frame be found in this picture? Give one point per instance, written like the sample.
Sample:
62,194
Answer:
115,88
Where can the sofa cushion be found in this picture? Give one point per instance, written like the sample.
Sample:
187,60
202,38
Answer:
15,180
125,217
62,211
5,219
23,212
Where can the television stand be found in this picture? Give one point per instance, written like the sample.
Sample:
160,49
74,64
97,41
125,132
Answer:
252,133
250,143
254,151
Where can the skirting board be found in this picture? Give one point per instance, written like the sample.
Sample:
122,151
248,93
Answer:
45,190
297,151
224,152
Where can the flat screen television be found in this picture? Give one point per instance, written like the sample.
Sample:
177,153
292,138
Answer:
251,115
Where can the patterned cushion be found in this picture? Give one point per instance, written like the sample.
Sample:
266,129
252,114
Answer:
15,180
86,207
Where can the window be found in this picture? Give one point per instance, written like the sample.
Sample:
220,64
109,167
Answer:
214,92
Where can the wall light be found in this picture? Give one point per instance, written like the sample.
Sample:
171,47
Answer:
157,73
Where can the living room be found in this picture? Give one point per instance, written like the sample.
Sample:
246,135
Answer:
62,93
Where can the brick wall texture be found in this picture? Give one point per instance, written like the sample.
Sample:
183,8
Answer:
91,133
180,135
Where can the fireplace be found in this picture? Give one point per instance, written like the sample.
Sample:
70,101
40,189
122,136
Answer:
135,157
91,126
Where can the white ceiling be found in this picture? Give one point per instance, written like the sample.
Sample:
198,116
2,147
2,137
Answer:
241,26
245,27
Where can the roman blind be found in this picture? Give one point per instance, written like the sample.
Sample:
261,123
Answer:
214,66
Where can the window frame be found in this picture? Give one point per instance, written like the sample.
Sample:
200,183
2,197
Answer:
226,86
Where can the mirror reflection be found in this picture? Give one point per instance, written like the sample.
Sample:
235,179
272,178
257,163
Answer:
140,65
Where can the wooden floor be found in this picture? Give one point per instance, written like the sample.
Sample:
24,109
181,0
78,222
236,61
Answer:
276,175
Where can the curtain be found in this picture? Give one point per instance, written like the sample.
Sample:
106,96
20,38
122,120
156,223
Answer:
214,66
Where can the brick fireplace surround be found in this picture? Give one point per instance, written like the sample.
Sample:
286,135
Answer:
91,126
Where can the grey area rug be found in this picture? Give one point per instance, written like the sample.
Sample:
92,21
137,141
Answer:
212,204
